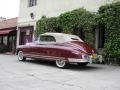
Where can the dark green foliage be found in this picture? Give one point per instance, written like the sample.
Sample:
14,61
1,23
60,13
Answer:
48,25
41,26
3,48
67,22
79,18
109,15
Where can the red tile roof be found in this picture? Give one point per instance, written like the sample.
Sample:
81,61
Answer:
9,23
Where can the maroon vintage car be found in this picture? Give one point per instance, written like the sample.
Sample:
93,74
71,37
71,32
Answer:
58,47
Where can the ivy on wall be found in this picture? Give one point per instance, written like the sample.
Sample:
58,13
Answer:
81,19
69,21
48,25
109,15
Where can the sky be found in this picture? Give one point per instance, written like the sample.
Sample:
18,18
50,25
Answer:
9,8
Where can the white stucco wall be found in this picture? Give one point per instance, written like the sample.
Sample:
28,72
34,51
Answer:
51,8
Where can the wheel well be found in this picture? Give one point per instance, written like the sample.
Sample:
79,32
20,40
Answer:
17,51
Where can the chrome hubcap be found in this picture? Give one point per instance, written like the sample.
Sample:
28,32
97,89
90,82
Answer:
20,55
60,63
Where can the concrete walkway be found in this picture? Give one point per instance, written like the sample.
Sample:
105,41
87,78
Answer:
39,75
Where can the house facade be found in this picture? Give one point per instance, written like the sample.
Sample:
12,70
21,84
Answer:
8,34
32,10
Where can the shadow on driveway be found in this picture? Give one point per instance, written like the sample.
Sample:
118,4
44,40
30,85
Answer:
74,67
91,67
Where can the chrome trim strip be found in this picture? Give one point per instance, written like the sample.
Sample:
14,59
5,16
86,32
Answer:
43,57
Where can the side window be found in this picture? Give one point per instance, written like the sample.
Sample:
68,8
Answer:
32,3
47,39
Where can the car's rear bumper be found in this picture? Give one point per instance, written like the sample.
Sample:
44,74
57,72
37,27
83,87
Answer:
74,60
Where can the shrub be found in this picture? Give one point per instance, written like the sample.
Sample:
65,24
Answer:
81,19
3,48
109,15
48,25
67,22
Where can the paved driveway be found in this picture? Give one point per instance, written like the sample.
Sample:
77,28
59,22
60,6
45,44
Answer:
37,75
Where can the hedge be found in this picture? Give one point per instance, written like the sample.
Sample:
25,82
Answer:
48,25
109,15
79,18
3,48
67,22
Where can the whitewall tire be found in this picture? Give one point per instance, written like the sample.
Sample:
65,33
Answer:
20,56
61,63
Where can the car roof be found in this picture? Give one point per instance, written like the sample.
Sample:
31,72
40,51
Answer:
57,34
61,37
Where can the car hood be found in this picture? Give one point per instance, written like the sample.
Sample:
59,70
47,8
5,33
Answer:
80,46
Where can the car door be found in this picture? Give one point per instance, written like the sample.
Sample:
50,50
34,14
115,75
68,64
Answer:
43,48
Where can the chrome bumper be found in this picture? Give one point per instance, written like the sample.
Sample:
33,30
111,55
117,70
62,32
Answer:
74,60
89,59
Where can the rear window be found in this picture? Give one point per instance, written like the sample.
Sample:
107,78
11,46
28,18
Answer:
47,39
